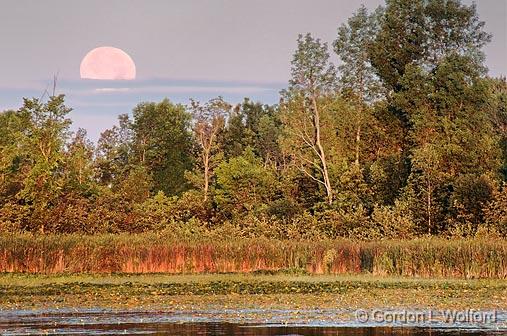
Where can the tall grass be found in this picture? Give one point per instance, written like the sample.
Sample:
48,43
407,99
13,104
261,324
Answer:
154,253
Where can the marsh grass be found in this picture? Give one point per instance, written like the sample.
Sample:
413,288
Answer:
156,253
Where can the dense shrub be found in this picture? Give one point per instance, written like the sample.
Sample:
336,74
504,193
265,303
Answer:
496,211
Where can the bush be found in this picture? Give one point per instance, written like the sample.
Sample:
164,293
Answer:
352,222
71,214
244,185
110,213
304,227
14,217
190,205
496,211
155,213
393,221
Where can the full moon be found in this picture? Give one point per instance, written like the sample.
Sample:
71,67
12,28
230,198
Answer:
107,63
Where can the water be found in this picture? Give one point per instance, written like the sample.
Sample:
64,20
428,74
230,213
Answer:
212,322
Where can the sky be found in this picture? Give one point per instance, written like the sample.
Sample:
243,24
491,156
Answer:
182,48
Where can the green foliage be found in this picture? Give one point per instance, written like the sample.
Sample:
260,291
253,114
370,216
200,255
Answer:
393,221
14,217
136,186
162,142
399,42
422,32
497,104
79,169
311,71
254,125
244,185
113,155
406,137
357,75
32,168
352,190
496,211
387,176
12,125
452,138
208,126
162,213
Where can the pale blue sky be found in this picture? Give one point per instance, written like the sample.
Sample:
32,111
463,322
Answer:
182,49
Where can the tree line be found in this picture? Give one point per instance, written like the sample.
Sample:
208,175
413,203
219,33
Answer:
407,136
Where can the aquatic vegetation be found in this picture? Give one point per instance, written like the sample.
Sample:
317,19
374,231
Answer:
246,291
158,253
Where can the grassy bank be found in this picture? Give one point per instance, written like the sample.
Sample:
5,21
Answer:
240,291
151,253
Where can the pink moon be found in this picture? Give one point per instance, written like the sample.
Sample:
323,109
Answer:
107,63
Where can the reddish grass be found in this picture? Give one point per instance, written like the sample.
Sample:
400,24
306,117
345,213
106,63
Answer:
151,253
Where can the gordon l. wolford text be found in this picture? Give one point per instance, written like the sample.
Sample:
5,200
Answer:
426,316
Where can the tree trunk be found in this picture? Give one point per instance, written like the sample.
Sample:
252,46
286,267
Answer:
322,153
359,117
80,176
358,141
206,175
428,207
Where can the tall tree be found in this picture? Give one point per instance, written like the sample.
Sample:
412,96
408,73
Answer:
79,163
453,28
252,124
357,75
209,121
399,42
267,135
114,154
498,115
42,143
13,125
424,32
162,142
235,136
313,77
452,134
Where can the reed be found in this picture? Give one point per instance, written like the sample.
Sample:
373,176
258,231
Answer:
158,253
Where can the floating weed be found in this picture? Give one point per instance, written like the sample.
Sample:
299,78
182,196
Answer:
255,292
